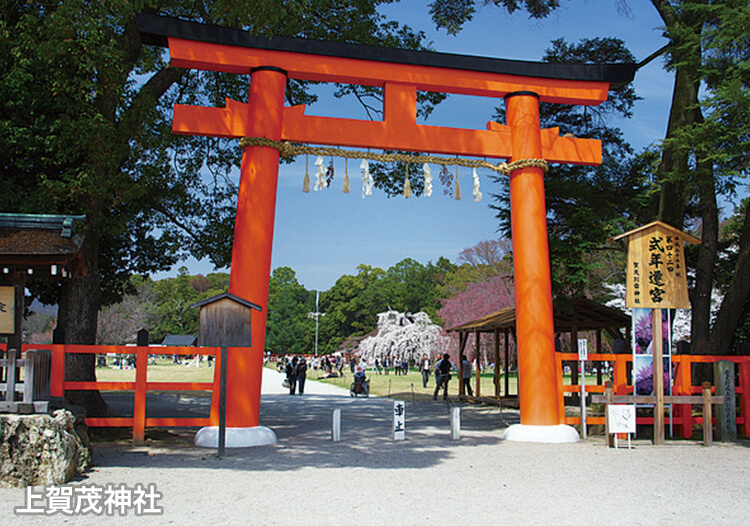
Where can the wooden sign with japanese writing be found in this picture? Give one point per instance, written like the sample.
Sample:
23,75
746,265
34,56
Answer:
657,277
7,310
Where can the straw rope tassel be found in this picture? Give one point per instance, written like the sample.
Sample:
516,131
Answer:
407,184
457,195
347,189
306,182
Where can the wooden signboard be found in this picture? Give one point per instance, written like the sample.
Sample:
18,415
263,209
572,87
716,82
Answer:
656,274
7,310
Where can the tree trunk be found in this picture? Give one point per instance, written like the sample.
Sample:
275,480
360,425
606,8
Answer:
737,296
80,298
706,263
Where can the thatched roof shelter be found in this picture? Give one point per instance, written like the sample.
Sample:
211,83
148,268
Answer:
571,315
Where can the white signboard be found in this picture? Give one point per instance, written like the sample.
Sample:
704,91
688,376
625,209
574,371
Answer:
621,418
583,349
399,418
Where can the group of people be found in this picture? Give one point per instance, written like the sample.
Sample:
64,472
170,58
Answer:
296,374
400,365
443,369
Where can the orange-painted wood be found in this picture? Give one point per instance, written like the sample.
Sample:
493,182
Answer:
179,386
253,242
398,131
745,396
233,59
538,394
57,371
177,422
109,422
139,397
98,386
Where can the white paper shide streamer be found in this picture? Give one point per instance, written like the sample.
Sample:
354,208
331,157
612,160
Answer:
427,180
367,180
476,193
320,175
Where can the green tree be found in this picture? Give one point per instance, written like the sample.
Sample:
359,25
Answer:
588,205
414,287
289,328
704,153
85,128
482,262
174,299
352,305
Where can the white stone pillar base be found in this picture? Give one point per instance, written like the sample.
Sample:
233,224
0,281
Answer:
548,434
235,437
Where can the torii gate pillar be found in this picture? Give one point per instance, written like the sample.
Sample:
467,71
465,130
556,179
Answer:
251,252
537,395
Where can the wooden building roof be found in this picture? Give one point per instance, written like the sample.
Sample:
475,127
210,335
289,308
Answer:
28,241
581,313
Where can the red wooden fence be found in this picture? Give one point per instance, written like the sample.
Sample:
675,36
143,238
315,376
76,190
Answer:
682,418
140,386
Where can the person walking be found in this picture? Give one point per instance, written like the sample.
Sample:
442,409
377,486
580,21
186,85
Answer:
443,370
424,368
466,374
301,375
291,375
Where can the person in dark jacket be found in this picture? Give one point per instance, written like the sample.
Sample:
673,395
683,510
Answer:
442,371
301,375
291,375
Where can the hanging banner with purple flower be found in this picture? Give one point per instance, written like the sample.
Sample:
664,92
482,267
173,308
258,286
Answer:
643,356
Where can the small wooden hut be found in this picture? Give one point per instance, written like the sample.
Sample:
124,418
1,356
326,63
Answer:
571,315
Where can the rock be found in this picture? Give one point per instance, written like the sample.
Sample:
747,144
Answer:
39,450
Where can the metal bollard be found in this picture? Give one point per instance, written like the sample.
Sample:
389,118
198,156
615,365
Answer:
336,430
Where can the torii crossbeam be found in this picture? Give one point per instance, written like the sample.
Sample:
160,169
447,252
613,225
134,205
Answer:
270,62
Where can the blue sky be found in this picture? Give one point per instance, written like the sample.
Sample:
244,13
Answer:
323,235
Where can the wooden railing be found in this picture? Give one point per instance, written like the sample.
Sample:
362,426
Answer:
140,387
34,387
683,417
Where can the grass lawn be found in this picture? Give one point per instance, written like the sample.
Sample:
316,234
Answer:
396,386
408,386
163,371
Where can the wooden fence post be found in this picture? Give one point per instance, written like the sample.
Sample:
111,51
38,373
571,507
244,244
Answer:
683,386
10,376
139,397
708,438
560,384
621,374
745,396
610,395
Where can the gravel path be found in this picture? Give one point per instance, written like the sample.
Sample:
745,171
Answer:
369,479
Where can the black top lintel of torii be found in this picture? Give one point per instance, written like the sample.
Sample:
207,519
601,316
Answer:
156,29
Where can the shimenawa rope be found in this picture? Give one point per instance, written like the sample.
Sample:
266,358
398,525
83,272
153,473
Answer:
287,149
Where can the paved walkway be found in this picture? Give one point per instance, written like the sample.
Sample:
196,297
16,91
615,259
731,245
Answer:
428,479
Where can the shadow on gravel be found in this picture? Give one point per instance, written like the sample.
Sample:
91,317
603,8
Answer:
303,427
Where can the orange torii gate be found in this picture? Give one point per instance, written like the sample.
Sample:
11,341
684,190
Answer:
270,62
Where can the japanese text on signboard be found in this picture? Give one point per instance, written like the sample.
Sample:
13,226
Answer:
656,270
